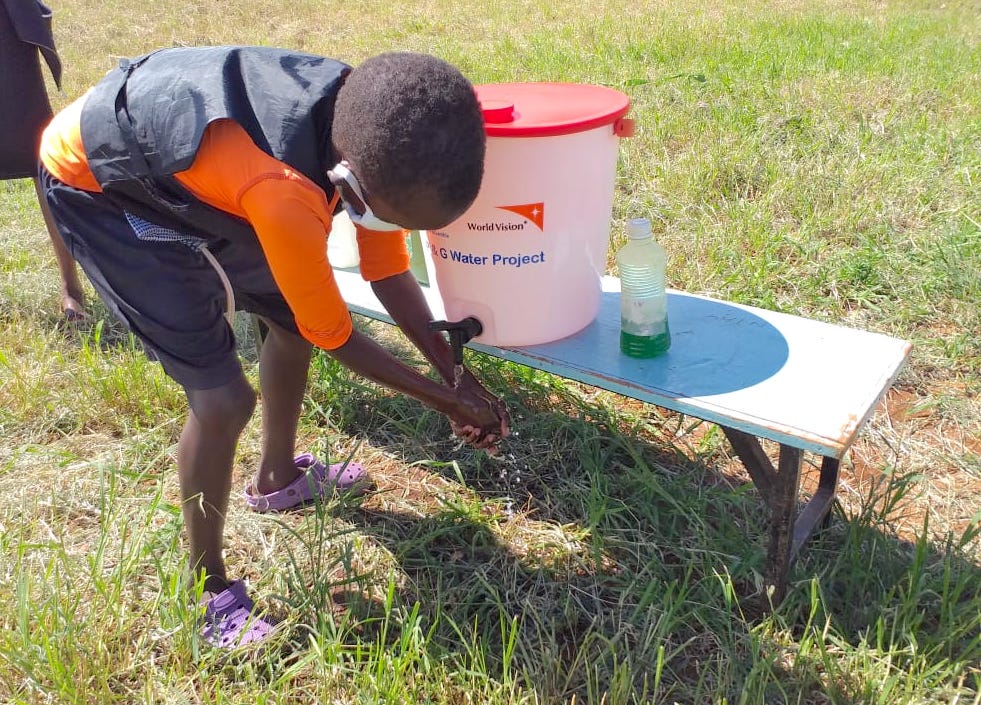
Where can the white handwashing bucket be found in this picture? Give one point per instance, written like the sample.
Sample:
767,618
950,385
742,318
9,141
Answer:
527,257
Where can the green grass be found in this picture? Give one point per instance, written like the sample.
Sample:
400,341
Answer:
816,158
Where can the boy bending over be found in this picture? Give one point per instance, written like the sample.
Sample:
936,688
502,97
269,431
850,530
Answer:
190,169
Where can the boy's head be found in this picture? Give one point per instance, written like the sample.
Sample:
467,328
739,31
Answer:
411,129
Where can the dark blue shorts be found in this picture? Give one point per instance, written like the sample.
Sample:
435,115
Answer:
167,293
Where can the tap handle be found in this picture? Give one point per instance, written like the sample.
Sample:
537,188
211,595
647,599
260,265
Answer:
460,334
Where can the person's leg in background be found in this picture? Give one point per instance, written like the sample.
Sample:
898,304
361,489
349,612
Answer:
24,111
72,295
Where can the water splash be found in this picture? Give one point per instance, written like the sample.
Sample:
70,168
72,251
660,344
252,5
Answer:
510,474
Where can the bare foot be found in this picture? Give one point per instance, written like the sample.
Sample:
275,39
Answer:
73,309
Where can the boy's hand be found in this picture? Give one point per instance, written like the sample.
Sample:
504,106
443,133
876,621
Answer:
476,415
481,419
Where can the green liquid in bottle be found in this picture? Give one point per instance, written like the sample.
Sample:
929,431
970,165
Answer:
645,345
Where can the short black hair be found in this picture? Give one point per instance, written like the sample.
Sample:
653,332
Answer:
411,124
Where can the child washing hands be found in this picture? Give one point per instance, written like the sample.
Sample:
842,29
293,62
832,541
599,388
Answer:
195,175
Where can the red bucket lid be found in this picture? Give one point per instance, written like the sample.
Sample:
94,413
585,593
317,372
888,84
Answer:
546,109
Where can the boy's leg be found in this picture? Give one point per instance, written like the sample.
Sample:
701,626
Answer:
172,300
205,455
283,366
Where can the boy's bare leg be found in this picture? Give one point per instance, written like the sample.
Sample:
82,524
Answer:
283,365
72,296
205,455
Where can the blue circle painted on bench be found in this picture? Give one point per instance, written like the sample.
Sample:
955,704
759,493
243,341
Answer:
716,347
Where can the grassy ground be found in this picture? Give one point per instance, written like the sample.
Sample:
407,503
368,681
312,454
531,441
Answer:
818,158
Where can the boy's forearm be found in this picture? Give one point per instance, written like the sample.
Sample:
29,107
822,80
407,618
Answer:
366,357
404,300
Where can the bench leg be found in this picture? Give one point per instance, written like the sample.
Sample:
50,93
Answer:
783,509
818,510
780,488
751,454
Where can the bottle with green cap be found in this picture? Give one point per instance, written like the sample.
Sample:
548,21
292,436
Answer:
643,299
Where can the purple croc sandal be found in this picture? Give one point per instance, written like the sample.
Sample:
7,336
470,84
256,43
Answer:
315,481
230,621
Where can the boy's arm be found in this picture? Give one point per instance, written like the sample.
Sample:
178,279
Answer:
471,416
403,299
291,234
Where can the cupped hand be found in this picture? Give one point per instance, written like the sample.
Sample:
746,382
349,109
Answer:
481,419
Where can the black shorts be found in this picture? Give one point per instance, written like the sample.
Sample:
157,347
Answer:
167,293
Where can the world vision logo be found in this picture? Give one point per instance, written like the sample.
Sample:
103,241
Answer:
535,212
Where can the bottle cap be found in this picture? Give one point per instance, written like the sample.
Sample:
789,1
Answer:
638,229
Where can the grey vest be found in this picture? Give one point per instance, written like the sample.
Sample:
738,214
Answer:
144,122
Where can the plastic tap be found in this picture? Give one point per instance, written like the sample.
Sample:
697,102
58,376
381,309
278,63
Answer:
460,333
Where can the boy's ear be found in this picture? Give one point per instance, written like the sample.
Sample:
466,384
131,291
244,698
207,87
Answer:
335,152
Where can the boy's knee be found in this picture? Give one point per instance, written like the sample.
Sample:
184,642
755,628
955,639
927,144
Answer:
228,407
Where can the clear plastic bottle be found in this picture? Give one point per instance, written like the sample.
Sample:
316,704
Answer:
643,300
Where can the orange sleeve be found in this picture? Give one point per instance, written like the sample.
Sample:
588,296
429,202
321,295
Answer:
291,233
383,254
291,217
62,152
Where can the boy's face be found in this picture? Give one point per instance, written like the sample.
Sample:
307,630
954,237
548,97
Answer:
424,211
354,200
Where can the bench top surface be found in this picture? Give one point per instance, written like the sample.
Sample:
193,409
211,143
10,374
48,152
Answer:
804,383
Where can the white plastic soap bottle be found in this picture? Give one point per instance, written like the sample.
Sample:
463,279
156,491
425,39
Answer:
342,243
643,300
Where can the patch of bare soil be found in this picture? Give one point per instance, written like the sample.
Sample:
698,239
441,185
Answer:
910,433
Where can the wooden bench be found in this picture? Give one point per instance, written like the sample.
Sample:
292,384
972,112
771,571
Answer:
809,386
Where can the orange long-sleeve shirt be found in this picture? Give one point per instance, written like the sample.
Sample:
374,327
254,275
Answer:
289,213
